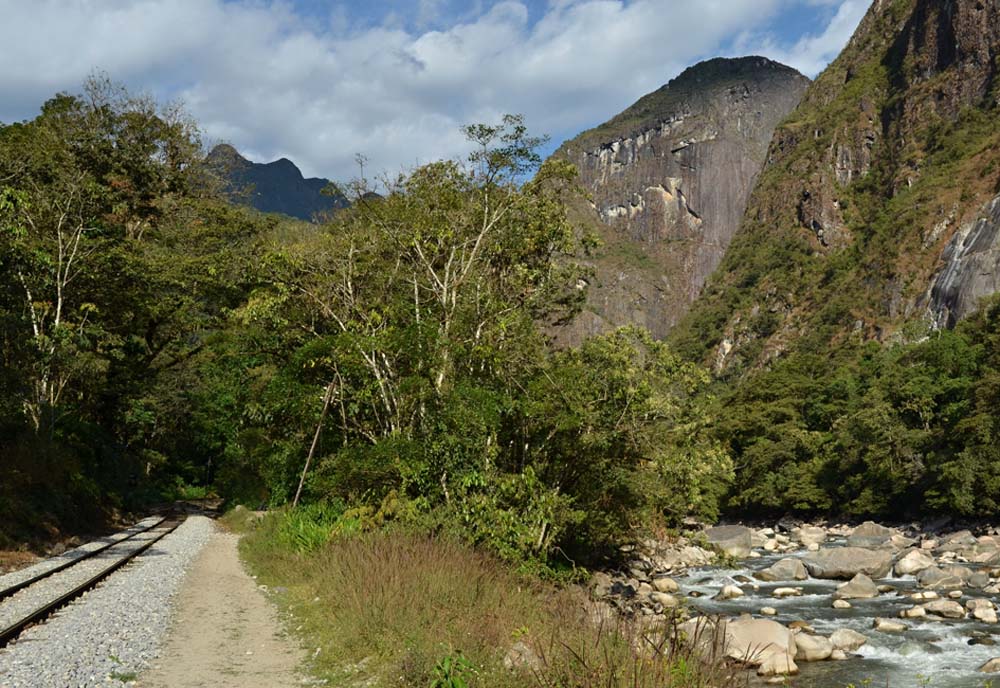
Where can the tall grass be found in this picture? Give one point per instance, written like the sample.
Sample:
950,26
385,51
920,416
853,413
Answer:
392,609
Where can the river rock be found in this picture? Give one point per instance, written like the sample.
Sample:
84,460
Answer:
949,609
991,667
838,655
870,534
601,584
847,640
888,626
728,592
978,580
520,656
925,595
753,641
768,611
783,570
778,665
860,587
987,615
665,584
979,603
841,604
912,562
957,541
847,562
810,535
771,545
913,613
941,579
812,648
665,599
736,541
787,592
684,557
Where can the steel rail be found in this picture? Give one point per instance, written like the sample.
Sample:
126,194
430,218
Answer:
13,630
17,587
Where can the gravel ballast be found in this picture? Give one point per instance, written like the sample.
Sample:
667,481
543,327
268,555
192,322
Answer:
110,634
80,552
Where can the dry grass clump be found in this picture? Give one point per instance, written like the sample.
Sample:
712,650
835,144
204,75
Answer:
394,609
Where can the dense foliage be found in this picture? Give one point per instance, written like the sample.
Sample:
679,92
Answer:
896,430
389,364
115,264
410,323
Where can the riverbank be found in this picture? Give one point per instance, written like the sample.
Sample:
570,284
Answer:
913,605
398,609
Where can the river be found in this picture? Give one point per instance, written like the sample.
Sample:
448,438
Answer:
932,653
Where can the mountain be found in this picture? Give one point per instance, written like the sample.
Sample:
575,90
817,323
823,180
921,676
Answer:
877,215
275,187
667,182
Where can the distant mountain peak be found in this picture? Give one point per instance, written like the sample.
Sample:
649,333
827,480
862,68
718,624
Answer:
274,187
226,153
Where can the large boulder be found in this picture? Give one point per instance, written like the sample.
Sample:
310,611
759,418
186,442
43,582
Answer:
991,667
948,578
736,541
861,587
949,609
812,648
870,534
754,641
665,584
784,570
961,540
913,561
847,640
888,626
847,562
778,665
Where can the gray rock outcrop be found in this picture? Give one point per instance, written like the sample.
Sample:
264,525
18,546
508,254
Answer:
971,268
668,181
847,562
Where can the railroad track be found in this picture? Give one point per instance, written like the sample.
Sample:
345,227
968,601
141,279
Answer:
41,590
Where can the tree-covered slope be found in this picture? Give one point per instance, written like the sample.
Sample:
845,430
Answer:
871,232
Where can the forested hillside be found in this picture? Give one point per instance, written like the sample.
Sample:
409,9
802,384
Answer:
156,338
118,265
870,232
394,364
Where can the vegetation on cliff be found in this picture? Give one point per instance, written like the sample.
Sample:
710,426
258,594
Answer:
841,394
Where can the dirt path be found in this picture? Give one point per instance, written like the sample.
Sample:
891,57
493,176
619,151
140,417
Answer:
225,634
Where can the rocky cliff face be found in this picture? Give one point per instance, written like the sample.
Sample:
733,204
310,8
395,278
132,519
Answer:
276,187
875,208
668,181
971,268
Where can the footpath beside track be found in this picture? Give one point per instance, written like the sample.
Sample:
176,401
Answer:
99,621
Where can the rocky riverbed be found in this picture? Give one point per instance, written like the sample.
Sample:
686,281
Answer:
827,606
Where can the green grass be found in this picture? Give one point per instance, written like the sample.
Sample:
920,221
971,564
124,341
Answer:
404,609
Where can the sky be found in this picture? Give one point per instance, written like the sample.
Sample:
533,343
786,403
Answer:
320,82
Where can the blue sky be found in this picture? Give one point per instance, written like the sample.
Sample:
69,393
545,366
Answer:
318,82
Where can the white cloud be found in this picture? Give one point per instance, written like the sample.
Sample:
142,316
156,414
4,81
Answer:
812,52
256,74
